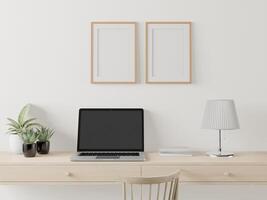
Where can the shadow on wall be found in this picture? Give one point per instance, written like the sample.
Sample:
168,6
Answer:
60,139
151,134
253,127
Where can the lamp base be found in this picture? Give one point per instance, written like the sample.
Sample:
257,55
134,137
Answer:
220,154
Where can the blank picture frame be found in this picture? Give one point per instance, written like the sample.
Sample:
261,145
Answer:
113,52
168,52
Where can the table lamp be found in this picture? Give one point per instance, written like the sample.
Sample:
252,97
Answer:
220,114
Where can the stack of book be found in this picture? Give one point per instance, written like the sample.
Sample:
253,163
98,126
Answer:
179,151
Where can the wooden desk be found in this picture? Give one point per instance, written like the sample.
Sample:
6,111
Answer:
57,168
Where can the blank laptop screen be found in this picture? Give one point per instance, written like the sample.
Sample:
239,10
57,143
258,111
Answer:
111,130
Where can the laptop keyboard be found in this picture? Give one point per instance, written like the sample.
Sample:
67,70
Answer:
106,154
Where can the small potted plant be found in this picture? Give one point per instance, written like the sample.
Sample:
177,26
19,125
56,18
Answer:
44,136
29,137
17,127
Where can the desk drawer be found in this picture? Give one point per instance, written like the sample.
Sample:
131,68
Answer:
65,173
211,173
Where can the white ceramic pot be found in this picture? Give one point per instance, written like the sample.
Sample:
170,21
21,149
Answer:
15,144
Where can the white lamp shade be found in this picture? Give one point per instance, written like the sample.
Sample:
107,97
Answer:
220,115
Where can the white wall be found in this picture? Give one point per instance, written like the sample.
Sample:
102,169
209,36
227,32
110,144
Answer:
44,59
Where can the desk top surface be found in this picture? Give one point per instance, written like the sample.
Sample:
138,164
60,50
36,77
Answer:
63,158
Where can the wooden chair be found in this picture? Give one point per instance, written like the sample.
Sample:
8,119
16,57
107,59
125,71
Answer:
150,188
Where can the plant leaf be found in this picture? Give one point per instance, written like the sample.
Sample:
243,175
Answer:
13,125
28,121
30,125
24,111
12,121
12,129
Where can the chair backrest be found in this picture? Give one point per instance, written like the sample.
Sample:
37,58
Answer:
150,188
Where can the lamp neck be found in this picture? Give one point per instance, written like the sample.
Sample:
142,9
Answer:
220,140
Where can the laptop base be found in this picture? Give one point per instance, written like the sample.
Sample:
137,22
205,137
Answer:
98,158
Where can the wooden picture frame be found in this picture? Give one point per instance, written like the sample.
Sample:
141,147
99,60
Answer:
168,52
113,52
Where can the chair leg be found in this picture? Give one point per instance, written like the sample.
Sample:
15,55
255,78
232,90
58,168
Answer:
176,191
123,191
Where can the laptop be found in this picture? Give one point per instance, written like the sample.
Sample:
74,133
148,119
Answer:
110,134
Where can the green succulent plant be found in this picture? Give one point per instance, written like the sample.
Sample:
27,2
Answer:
22,123
45,134
30,136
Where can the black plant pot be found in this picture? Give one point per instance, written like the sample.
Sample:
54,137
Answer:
43,147
29,150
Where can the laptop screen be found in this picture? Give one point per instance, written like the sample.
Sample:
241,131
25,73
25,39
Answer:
111,130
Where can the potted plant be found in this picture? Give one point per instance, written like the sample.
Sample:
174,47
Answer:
16,128
44,136
29,137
